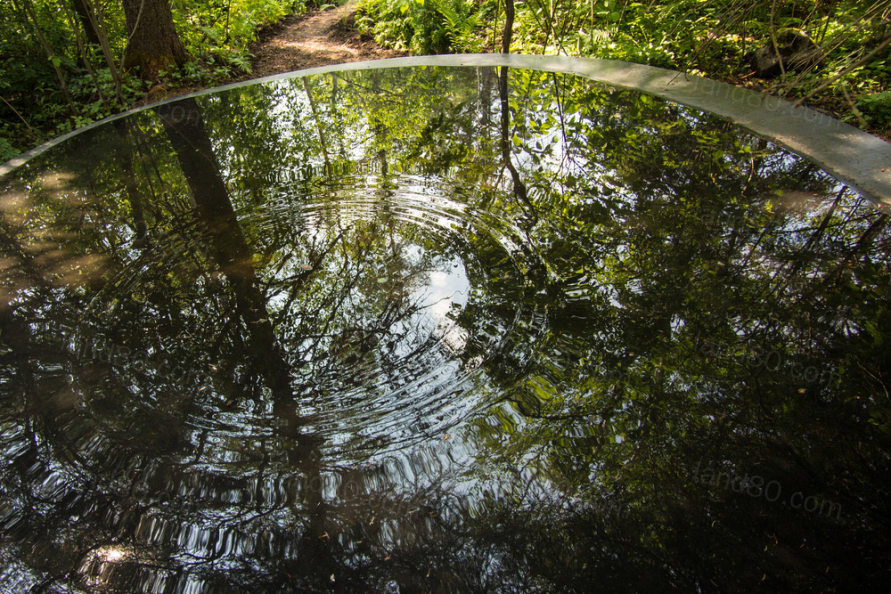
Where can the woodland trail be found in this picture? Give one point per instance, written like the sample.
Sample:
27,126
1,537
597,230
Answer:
316,38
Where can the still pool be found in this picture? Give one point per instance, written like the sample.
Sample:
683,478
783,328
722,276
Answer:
440,329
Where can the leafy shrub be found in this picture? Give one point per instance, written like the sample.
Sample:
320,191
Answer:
220,31
7,151
422,26
216,33
711,38
876,109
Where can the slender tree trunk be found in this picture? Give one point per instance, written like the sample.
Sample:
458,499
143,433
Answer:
83,15
153,44
84,56
17,113
519,186
125,155
97,24
28,10
485,84
508,26
315,116
336,114
184,125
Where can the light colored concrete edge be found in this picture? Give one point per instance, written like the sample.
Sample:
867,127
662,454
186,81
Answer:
860,160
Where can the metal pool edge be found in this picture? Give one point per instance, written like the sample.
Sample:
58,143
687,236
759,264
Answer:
855,157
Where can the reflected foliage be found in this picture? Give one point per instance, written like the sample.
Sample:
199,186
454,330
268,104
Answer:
440,329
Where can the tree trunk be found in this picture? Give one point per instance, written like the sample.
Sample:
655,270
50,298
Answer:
315,116
83,15
153,43
97,21
508,26
126,155
184,125
519,186
84,56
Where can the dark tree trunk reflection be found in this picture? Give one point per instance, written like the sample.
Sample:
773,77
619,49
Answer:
184,125
519,187
125,161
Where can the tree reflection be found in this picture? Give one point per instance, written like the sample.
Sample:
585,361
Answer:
297,336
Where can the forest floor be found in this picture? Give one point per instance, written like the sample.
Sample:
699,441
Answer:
315,38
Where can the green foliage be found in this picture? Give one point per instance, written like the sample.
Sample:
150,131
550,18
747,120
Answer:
216,33
220,31
876,109
424,26
715,39
7,151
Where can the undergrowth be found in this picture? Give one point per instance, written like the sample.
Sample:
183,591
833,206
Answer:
714,39
33,107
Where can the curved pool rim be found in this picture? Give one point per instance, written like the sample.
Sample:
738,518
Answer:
855,157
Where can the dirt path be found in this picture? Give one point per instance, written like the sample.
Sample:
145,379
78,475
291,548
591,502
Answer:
317,38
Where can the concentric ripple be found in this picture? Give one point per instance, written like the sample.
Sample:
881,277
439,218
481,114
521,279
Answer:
366,281
413,330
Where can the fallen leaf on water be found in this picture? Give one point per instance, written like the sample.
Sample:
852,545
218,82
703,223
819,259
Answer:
306,267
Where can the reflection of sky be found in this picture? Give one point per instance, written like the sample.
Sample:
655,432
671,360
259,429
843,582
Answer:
405,428
446,291
446,287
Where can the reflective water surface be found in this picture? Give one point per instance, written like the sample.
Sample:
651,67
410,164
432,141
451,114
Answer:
440,329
